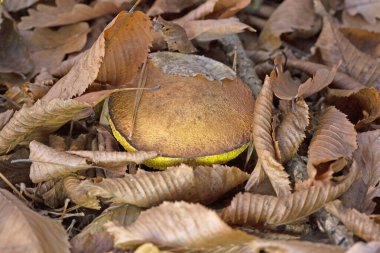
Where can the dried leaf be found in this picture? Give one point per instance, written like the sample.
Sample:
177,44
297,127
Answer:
39,234
49,47
262,136
37,121
203,184
334,138
364,40
359,22
212,29
14,55
149,248
255,210
228,8
285,88
170,6
5,117
107,58
16,5
52,193
334,47
67,12
77,194
369,10
360,247
291,131
361,106
359,223
290,16
177,225
198,13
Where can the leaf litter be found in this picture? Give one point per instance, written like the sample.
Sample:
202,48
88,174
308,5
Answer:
72,183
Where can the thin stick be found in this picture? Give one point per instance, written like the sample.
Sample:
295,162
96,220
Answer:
134,6
14,188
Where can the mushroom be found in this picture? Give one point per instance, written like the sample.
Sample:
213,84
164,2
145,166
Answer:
202,113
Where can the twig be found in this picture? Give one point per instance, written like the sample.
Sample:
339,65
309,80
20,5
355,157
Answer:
14,188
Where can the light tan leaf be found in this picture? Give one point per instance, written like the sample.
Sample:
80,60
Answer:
361,106
212,29
341,80
23,230
203,184
170,6
360,247
256,178
49,47
369,10
285,88
291,131
37,121
79,195
253,209
87,241
334,47
68,12
5,117
262,136
228,8
16,5
50,164
290,16
334,138
359,22
177,225
359,223
198,13
107,59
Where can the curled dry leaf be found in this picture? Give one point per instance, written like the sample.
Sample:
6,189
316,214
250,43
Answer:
255,210
177,225
262,136
39,234
145,189
334,139
361,106
52,193
228,8
290,16
334,47
369,10
77,194
67,12
107,59
359,223
212,29
170,6
37,121
285,88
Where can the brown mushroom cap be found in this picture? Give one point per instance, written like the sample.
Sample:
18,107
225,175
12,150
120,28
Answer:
188,117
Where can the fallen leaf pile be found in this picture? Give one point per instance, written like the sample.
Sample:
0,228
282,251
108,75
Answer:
309,180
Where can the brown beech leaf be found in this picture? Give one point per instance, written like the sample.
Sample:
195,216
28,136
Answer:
23,230
177,225
334,138
170,6
291,132
68,12
124,42
87,241
198,13
359,223
334,47
77,194
364,40
285,88
16,5
262,137
176,37
212,29
228,8
14,55
255,210
369,10
341,80
202,184
37,121
290,16
358,21
49,47
52,192
5,117
361,106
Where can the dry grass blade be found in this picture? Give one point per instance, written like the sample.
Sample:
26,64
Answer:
291,15
37,121
67,12
262,122
291,131
145,189
50,164
255,210
359,223
105,61
39,234
114,159
78,194
177,225
334,138
334,47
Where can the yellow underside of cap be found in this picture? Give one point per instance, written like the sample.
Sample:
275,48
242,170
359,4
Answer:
162,162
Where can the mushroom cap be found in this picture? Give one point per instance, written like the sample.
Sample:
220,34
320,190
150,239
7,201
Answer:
190,116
